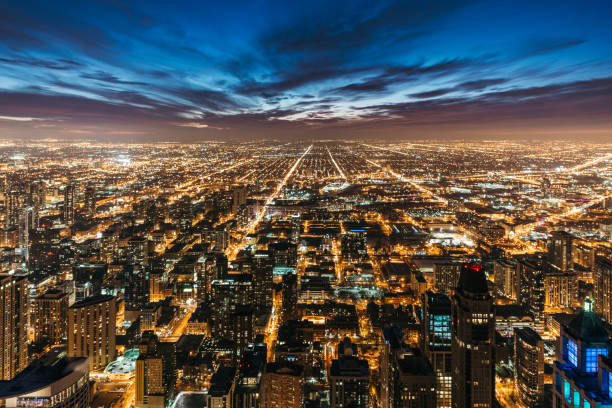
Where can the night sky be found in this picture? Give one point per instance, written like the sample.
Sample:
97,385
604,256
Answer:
373,70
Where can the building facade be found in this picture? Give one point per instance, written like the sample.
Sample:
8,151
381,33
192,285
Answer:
92,330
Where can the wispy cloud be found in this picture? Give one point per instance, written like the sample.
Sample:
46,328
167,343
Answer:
19,118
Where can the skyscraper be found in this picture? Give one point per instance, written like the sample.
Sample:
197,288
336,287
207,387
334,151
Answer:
68,212
13,203
560,250
446,275
51,317
14,336
473,340
528,366
92,329
435,338
90,202
262,280
349,378
582,376
414,380
282,385
149,373
602,278
238,198
531,293
289,297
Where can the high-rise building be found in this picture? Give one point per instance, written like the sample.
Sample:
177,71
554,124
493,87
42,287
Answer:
560,250
149,373
13,202
602,277
473,340
14,336
528,367
283,386
289,297
531,293
446,276
229,297
504,271
38,194
414,381
239,194
69,202
53,380
435,339
560,288
92,330
250,372
90,202
222,387
349,378
51,317
582,372
262,280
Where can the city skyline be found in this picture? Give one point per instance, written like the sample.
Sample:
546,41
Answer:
149,72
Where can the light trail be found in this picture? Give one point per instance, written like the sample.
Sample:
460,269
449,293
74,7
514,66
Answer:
579,167
262,212
412,183
335,164
588,164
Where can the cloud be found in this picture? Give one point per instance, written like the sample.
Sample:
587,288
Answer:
19,118
126,132
61,64
80,132
105,77
193,125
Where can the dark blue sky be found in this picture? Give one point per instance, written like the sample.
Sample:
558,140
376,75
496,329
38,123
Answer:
197,70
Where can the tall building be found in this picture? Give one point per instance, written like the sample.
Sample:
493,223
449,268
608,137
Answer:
14,337
528,367
602,278
53,380
262,280
51,317
222,386
560,288
349,378
560,250
435,339
414,381
581,374
239,194
504,271
531,293
289,297
69,202
13,202
149,373
38,194
92,330
473,340
250,372
283,386
446,276
231,314
90,202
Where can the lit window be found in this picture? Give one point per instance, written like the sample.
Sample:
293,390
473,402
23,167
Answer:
572,353
566,391
591,358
